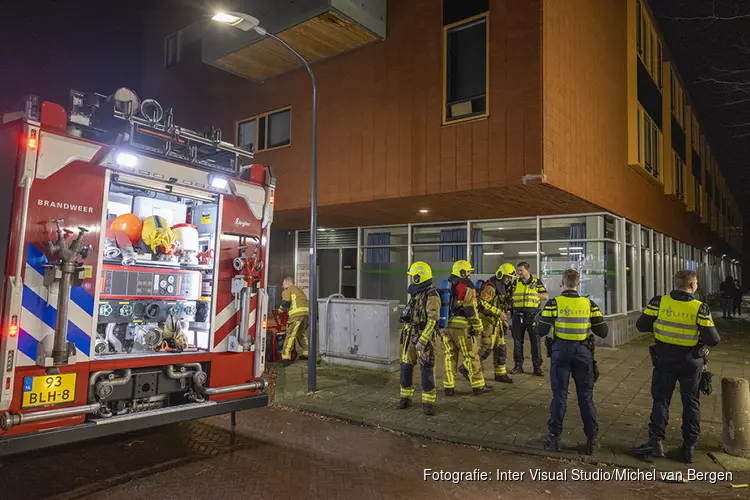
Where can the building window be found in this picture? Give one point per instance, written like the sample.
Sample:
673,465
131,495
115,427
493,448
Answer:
466,75
649,144
649,45
172,49
679,176
267,131
678,101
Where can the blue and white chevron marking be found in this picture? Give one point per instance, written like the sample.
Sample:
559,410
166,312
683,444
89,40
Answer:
38,312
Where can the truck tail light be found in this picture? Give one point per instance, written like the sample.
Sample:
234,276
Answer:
7,383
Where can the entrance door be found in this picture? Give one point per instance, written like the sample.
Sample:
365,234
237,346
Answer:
329,269
349,273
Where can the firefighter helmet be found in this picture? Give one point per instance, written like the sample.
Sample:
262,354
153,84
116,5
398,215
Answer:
506,269
158,235
129,224
462,268
419,272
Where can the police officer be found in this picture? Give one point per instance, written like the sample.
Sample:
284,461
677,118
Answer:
572,316
528,294
294,301
463,333
420,319
680,324
495,300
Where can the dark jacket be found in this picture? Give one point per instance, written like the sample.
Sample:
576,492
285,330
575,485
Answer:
728,289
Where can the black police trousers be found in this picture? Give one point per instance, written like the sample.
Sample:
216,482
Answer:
576,358
523,324
676,363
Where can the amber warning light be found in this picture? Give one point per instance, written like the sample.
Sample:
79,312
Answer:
32,141
13,327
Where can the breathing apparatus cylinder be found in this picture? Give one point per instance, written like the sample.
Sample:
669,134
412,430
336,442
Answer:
445,302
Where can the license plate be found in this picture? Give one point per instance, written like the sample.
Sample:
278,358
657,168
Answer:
47,390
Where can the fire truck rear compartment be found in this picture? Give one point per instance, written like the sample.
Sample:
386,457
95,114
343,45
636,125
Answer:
156,280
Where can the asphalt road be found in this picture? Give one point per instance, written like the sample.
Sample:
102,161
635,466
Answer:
279,454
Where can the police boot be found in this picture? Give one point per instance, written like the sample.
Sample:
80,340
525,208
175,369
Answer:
592,446
517,369
450,392
463,371
652,448
429,409
688,453
538,371
403,403
552,442
503,378
480,390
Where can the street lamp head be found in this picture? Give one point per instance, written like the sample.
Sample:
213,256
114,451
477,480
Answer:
245,22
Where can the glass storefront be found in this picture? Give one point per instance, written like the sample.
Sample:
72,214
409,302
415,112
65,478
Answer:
622,264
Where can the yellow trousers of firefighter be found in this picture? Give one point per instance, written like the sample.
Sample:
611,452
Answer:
493,344
296,330
409,359
456,340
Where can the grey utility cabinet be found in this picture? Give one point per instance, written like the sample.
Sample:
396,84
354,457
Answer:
360,333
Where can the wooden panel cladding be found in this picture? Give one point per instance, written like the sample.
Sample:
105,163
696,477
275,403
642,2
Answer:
475,204
380,131
326,35
590,100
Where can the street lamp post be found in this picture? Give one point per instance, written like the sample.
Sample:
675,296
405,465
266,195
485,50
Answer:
247,22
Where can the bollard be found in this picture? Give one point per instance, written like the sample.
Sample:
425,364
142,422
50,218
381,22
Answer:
735,411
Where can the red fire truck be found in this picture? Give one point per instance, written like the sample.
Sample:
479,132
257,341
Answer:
133,271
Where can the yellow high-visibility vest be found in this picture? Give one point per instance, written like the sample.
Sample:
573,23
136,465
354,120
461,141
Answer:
573,320
677,322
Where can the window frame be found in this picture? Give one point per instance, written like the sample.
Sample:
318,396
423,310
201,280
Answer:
649,46
486,114
654,163
257,118
176,36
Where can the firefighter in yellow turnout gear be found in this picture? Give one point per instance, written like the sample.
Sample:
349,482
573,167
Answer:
420,319
495,301
294,301
463,333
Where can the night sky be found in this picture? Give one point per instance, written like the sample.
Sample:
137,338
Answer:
49,47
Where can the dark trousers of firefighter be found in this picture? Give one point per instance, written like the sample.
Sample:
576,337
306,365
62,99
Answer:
296,330
493,343
572,358
523,325
456,340
409,358
676,364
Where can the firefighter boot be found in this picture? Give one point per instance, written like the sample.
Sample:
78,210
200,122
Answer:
688,453
450,392
538,372
652,448
503,378
552,442
428,409
403,403
480,390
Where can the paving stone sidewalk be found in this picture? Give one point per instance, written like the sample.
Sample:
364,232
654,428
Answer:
513,416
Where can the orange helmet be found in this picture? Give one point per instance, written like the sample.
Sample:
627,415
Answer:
129,224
